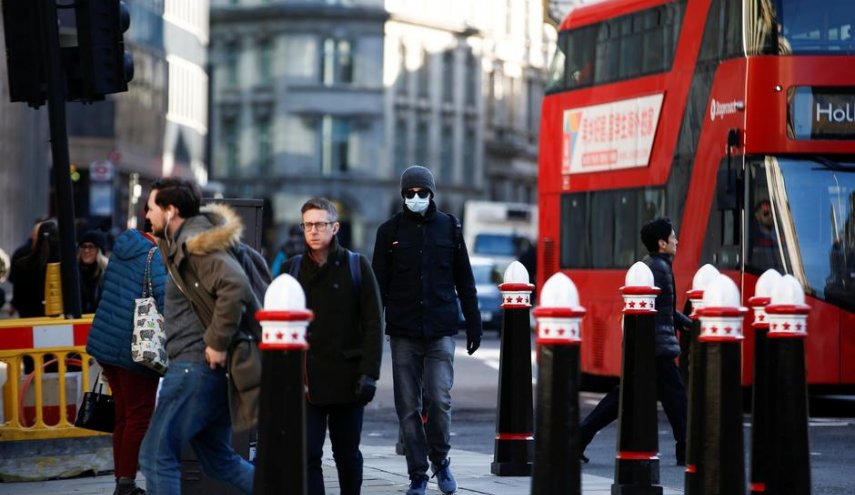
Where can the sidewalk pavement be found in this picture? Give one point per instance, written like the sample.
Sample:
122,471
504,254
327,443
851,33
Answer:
384,474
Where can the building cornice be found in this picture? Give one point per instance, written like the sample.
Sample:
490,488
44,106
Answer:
291,12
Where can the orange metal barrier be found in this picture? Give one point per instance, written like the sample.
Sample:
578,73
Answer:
42,403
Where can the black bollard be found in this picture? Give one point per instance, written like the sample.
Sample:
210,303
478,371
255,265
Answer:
721,465
697,362
760,434
514,446
557,448
281,462
637,460
788,449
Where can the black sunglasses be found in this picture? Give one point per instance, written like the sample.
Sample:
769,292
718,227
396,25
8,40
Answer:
410,194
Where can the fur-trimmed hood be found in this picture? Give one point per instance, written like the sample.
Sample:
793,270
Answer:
224,231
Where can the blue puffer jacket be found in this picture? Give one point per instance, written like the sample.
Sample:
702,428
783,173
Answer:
110,336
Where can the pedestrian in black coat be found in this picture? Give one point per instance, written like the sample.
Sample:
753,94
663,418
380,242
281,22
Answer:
660,240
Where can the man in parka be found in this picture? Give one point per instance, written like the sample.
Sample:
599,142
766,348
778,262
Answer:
422,267
193,406
661,242
345,345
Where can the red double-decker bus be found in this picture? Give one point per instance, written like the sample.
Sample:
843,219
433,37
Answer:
736,119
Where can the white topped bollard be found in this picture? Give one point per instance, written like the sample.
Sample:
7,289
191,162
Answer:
760,468
284,319
696,363
557,447
637,457
722,316
788,455
514,445
281,461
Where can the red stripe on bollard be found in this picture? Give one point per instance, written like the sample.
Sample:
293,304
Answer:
514,436
628,455
758,487
691,468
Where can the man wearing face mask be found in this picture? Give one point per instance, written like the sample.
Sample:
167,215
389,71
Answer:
193,403
422,268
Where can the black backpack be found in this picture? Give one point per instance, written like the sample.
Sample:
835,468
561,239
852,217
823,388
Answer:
352,263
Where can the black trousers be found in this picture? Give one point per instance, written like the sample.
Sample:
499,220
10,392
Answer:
345,426
670,391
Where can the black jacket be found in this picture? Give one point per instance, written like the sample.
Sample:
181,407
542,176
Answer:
422,267
345,337
666,311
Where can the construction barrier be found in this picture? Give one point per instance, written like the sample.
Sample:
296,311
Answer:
46,372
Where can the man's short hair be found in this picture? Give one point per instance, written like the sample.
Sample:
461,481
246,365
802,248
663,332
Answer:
655,230
321,204
183,194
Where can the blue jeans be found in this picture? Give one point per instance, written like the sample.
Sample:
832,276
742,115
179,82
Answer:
345,424
192,408
423,368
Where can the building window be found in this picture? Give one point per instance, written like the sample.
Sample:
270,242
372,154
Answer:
403,74
422,144
471,78
400,145
446,166
335,145
265,61
337,62
469,155
232,59
265,145
424,75
231,143
448,76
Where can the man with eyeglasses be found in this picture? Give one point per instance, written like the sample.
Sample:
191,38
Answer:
345,345
422,267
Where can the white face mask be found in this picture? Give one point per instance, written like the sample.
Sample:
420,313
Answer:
417,204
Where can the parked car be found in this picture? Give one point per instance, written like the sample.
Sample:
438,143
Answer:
487,280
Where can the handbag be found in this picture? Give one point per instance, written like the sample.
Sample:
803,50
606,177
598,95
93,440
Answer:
97,411
148,342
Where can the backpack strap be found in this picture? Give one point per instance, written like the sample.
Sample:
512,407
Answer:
355,272
294,269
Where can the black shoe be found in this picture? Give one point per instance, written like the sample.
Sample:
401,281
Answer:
584,459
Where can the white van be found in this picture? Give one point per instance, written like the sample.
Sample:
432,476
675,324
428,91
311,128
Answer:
499,231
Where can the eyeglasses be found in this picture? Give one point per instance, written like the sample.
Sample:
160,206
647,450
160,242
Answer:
422,193
319,226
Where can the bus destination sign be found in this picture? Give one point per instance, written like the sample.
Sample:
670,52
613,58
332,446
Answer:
821,112
610,136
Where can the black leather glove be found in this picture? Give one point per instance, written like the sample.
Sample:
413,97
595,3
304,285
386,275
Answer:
365,389
472,344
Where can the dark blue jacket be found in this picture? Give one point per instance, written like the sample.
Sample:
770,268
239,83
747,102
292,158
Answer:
422,267
110,336
666,305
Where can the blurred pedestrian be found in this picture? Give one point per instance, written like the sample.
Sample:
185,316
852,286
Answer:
660,240
422,268
134,386
345,345
294,245
28,271
92,263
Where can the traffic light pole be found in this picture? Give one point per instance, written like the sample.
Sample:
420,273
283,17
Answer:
59,151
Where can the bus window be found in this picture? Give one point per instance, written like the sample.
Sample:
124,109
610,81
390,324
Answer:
800,27
601,229
573,64
763,249
724,26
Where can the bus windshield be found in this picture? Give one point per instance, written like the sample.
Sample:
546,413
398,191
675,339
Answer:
816,199
800,27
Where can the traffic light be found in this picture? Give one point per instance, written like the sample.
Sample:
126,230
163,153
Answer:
24,54
103,66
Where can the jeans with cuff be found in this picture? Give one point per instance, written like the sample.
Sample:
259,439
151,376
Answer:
423,368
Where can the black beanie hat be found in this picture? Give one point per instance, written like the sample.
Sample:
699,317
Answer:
653,231
417,176
95,237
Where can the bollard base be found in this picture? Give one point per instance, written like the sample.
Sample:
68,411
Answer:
636,490
637,477
513,457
